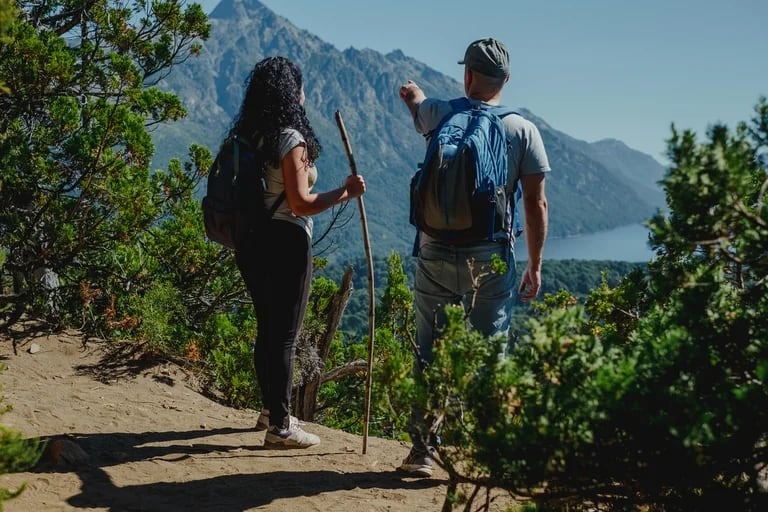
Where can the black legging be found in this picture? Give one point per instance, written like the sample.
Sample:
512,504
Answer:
277,269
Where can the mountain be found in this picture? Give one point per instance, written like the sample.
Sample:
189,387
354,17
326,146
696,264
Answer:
639,168
591,188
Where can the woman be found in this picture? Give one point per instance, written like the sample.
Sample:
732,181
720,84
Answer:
277,265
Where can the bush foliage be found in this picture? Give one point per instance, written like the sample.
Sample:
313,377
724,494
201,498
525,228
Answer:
651,393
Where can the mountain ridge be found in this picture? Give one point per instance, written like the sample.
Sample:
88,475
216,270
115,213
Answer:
586,194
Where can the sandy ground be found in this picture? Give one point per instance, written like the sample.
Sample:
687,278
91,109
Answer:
131,434
154,444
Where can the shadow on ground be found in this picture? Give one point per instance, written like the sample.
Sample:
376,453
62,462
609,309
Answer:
224,493
230,493
120,361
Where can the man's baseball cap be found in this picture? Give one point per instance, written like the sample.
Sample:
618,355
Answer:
487,56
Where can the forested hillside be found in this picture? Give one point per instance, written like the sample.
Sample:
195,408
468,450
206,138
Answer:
574,276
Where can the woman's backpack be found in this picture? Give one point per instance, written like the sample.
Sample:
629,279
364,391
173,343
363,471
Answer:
230,193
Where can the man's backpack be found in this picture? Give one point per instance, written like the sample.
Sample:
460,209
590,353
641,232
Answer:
460,193
236,186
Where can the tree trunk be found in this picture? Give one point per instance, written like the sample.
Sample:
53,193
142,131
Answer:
19,299
306,394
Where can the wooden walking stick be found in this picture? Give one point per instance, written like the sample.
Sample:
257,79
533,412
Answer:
371,298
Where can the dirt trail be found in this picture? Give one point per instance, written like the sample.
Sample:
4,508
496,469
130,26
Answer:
154,444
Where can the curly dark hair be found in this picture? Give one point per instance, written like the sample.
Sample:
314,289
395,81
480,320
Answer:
271,104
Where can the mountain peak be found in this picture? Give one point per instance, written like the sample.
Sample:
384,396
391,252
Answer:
610,142
234,9
396,54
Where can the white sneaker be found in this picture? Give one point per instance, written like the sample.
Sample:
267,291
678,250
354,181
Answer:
293,437
262,423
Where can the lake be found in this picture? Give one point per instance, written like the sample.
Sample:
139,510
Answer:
626,243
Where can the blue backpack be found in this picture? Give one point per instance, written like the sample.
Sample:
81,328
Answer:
460,193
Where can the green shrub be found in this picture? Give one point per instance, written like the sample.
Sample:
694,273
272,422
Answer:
652,394
160,314
227,350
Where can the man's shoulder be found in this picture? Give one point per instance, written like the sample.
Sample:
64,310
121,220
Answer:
517,124
441,102
526,142
431,112
512,117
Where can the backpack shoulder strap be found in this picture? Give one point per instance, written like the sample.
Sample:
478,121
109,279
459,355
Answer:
236,141
236,157
502,111
459,104
516,227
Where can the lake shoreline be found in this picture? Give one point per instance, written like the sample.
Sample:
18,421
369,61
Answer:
625,243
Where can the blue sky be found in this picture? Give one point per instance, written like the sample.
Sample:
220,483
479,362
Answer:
592,68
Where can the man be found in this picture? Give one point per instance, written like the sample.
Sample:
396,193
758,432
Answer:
443,276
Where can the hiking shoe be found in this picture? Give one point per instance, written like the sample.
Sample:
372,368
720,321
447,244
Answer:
262,423
287,438
417,463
